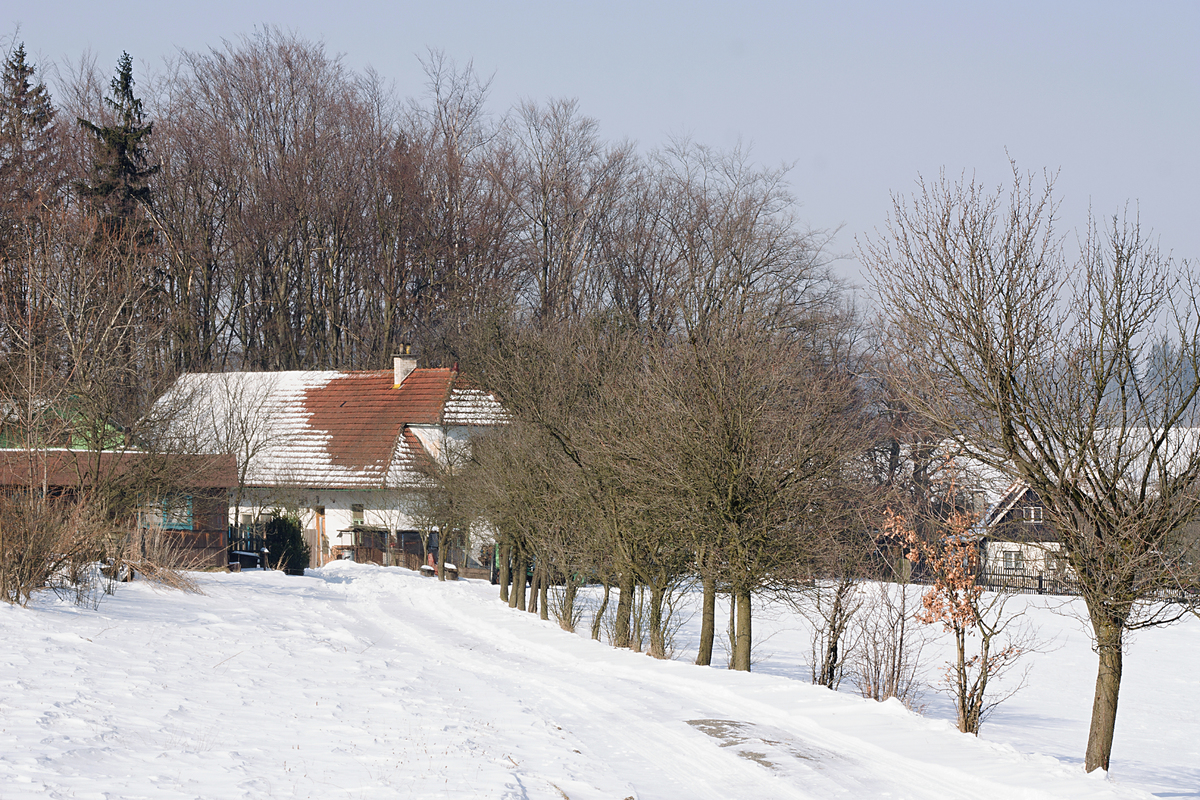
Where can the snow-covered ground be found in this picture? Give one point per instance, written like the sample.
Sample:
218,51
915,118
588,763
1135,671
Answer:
360,682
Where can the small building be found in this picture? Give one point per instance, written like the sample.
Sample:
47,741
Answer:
183,495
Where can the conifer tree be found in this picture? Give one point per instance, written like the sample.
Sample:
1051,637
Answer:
120,263
27,174
121,172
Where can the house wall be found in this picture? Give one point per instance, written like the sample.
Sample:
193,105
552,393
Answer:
210,512
392,509
449,446
1042,553
1036,558
201,533
1033,540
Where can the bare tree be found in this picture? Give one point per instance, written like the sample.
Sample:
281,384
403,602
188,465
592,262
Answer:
1077,377
524,487
763,429
830,606
987,641
833,595
234,413
563,182
886,660
748,293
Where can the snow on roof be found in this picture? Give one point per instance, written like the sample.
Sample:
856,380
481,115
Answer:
470,406
1127,454
996,512
332,429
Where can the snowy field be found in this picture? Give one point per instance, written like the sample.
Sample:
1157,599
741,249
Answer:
360,682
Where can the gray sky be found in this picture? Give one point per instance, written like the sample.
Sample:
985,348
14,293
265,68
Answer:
860,97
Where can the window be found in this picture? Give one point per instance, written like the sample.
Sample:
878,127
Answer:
1033,514
1012,560
171,513
356,514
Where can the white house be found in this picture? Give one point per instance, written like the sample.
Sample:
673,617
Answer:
339,448
1019,547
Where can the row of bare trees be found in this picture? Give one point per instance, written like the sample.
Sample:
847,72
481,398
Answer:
261,206
686,404
741,440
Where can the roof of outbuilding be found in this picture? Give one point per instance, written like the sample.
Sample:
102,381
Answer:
86,468
329,429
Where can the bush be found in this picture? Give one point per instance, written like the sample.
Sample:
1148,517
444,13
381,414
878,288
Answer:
286,546
48,543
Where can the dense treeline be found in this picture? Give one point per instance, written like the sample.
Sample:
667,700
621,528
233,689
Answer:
270,209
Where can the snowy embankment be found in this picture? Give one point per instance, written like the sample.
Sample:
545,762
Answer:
362,682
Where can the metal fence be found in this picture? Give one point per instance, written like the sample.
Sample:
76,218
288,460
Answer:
244,545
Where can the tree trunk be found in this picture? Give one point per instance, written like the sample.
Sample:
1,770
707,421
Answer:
960,680
1109,641
741,649
828,676
505,572
831,658
566,613
535,584
598,619
732,627
624,610
544,594
658,636
516,597
977,690
708,621
637,619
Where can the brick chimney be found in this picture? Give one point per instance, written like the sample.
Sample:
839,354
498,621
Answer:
402,365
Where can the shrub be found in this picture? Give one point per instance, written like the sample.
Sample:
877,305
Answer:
286,546
47,543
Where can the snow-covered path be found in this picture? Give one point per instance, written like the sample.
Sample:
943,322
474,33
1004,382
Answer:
361,682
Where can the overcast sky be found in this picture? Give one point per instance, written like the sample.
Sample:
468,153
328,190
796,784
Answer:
860,99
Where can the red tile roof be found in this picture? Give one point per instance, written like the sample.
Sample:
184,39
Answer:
341,429
363,412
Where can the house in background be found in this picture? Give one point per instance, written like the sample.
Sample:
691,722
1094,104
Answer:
341,449
1019,548
186,496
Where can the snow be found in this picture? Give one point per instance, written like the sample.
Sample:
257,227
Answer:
365,682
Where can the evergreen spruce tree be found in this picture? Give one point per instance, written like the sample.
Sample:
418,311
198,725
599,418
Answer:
121,172
286,545
121,262
28,176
